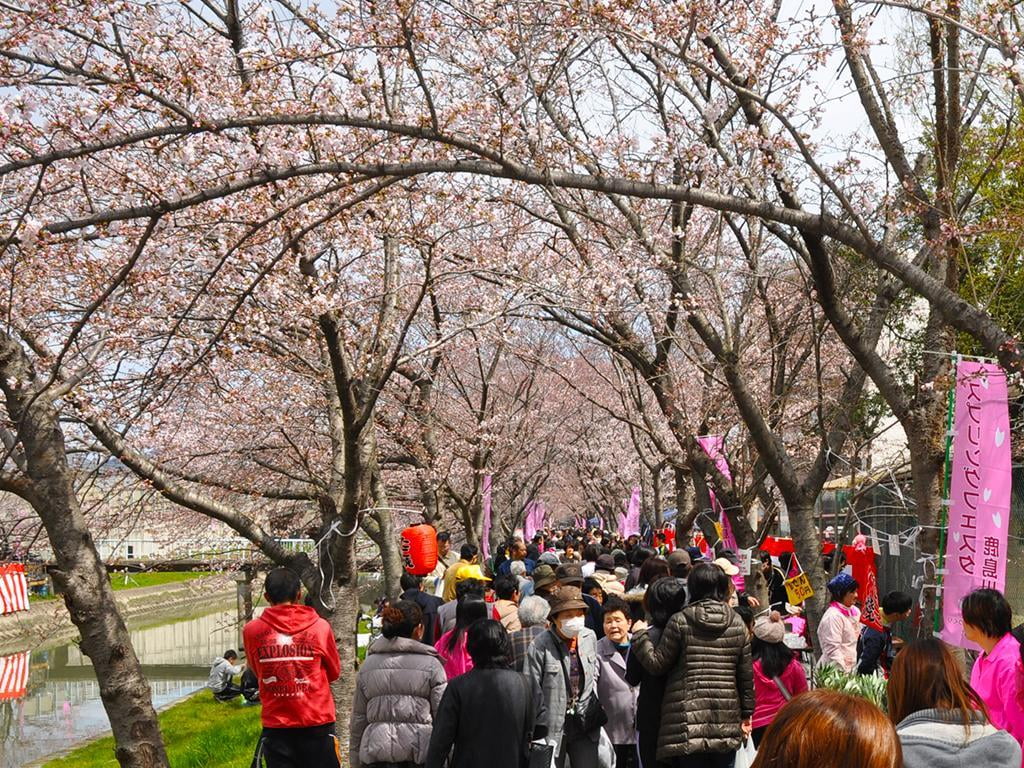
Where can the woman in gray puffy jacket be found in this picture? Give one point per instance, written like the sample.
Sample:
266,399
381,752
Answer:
940,720
398,691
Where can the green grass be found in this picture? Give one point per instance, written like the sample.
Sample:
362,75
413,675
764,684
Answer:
150,579
136,580
199,733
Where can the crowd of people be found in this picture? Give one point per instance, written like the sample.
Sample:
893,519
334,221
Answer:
588,651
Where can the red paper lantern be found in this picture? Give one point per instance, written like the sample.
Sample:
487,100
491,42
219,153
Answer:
419,549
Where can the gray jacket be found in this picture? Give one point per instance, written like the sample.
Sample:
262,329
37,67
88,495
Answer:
617,696
935,738
446,616
547,664
398,690
221,673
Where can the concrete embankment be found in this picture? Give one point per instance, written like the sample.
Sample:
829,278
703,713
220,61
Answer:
47,622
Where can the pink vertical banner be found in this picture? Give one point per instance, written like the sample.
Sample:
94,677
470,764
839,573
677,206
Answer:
979,492
714,447
630,522
485,535
529,526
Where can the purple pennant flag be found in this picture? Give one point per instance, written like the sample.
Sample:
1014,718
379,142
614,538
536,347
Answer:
485,536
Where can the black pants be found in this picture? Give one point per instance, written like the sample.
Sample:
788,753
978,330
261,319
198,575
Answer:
231,691
706,760
228,693
758,734
625,756
315,747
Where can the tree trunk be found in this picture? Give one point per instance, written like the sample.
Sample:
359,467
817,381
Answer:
343,621
390,555
808,552
926,472
685,505
80,575
658,515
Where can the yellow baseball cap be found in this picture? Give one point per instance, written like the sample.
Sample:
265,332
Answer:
470,572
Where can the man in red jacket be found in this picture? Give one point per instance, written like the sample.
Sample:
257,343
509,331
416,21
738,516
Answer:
295,658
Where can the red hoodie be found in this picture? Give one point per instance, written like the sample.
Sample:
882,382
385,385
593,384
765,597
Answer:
293,654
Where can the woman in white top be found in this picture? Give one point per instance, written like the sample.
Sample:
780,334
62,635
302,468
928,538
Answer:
840,625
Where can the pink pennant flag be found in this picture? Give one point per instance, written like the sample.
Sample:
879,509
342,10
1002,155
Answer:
630,522
714,447
979,492
485,536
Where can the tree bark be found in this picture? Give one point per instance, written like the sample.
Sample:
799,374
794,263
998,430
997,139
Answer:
80,576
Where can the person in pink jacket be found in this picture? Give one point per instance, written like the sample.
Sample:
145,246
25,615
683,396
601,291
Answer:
987,621
451,646
778,674
839,629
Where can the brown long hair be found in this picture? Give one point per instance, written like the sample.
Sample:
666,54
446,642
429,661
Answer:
829,728
926,676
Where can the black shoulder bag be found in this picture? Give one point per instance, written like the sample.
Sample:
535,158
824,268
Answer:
537,754
582,716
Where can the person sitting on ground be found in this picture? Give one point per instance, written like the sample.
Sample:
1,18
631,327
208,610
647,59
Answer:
250,686
533,615
988,619
506,607
452,645
616,695
222,675
826,728
398,692
839,629
292,650
489,715
412,589
778,674
941,721
876,649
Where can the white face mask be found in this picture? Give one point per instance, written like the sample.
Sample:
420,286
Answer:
572,627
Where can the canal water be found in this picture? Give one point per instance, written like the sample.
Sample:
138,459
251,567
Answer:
60,704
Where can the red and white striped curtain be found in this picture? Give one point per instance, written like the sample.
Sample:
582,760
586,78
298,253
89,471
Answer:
13,588
14,675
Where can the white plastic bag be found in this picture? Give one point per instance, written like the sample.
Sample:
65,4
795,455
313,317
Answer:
745,754
605,751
